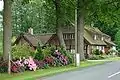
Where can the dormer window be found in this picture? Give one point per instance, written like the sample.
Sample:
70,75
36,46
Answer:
95,37
102,38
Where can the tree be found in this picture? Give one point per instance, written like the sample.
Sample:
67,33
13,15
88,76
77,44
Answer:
81,13
117,40
89,11
109,29
59,23
7,32
28,15
7,29
46,16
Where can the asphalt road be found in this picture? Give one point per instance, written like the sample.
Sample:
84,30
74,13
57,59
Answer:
108,71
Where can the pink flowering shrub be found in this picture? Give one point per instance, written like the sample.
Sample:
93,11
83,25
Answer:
24,64
31,64
44,58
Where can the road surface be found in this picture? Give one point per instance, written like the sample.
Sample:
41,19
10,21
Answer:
108,71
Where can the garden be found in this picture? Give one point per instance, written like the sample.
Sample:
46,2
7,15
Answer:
29,64
26,59
99,55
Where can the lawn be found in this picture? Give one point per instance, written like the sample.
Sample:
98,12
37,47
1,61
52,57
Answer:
31,75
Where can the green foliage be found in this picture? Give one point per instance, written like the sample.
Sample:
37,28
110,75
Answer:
97,52
117,39
70,57
66,53
118,53
22,51
110,29
39,54
47,51
42,53
37,14
3,66
96,57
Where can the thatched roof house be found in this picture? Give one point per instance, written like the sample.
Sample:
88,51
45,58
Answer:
93,38
33,40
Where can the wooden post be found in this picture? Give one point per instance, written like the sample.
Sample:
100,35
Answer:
9,64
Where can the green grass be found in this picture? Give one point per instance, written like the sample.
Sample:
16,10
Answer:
113,58
31,75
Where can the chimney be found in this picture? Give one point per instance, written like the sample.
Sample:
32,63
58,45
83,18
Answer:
30,30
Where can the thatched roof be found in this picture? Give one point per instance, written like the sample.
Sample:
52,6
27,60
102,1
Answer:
87,34
44,38
109,43
33,40
90,40
95,30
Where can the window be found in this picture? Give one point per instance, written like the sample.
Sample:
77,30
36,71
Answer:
72,36
64,36
102,38
95,37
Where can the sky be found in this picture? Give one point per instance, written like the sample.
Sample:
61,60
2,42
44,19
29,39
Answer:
1,5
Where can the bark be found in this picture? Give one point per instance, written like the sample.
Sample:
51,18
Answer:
7,31
59,23
80,26
80,30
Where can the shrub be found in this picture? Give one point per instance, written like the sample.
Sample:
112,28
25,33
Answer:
3,66
57,62
112,51
97,52
31,64
23,64
62,59
70,57
40,64
22,51
43,53
49,56
49,61
16,67
96,57
47,51
39,54
66,53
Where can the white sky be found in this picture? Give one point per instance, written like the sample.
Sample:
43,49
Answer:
1,5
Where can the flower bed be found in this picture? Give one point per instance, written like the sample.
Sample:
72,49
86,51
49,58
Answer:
44,58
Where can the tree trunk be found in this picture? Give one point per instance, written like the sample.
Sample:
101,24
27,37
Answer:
59,23
80,30
7,31
80,27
